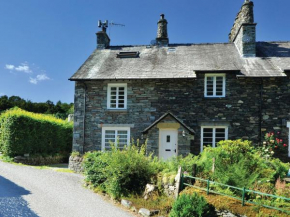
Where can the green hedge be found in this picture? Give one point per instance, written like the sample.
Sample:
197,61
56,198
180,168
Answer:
24,132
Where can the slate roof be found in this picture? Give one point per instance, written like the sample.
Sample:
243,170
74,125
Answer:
184,60
164,116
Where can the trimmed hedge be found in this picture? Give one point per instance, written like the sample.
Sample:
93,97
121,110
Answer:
24,132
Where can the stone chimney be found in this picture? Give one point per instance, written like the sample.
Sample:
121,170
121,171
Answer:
243,32
103,40
162,36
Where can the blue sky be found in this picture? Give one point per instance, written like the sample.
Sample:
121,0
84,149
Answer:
43,42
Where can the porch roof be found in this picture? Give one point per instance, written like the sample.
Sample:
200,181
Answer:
164,116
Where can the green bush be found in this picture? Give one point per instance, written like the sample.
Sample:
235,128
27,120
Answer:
119,172
238,163
95,164
185,162
191,206
24,132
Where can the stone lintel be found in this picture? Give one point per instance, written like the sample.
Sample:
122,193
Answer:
214,123
116,125
168,125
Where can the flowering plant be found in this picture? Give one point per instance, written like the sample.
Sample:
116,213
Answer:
271,143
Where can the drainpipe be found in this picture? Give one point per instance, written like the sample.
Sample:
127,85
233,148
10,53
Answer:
261,109
84,117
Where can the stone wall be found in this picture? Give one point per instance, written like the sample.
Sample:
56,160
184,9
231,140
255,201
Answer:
75,164
40,161
148,100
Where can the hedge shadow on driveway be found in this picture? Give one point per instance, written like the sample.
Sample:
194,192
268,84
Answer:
11,200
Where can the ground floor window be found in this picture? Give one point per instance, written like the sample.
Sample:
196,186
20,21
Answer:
120,135
288,125
210,136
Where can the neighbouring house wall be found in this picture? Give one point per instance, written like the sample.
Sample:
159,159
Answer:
276,107
150,99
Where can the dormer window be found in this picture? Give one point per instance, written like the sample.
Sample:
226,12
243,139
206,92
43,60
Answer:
117,96
215,85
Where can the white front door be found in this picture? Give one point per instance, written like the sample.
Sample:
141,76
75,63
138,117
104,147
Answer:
167,143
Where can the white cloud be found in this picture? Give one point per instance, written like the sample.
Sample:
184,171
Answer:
42,77
38,78
10,67
24,67
33,80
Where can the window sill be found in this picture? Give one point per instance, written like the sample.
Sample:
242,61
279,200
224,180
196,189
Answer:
117,110
213,98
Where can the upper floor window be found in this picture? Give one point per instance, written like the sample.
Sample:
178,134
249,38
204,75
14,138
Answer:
215,85
117,96
210,136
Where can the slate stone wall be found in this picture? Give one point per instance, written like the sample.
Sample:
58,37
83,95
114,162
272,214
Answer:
148,100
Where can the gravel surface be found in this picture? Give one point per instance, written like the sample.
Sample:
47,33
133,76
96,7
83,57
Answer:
27,191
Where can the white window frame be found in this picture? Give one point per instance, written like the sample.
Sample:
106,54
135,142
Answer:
214,85
109,96
115,129
214,135
288,125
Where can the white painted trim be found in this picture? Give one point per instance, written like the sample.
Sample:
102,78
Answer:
288,125
214,84
109,95
115,129
213,138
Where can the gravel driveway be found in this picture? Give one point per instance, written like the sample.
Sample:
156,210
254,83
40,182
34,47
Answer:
27,191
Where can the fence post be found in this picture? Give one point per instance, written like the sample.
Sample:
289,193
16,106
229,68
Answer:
178,182
194,173
243,196
181,182
207,191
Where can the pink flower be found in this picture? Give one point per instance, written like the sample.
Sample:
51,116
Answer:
278,132
285,145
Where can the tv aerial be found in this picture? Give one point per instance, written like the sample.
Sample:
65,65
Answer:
112,24
104,25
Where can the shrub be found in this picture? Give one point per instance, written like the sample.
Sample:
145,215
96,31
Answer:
24,132
239,164
185,162
119,172
128,171
95,164
191,205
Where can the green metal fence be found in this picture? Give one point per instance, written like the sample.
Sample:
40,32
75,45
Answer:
243,191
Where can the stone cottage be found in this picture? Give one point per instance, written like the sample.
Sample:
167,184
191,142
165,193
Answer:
182,97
